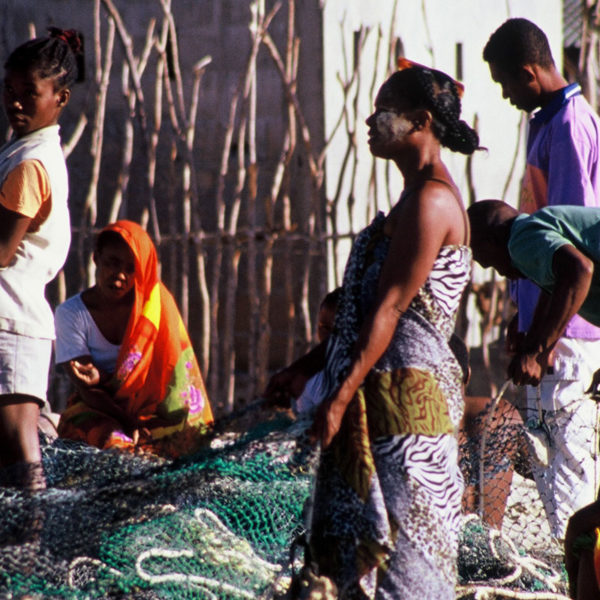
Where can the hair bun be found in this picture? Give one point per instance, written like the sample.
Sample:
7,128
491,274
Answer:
70,36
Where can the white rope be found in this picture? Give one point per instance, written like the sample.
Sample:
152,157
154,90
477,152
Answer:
183,577
87,560
492,593
536,568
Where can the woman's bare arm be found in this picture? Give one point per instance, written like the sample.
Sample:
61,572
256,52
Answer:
423,226
88,380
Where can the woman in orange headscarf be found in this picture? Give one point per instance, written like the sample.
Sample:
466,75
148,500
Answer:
124,346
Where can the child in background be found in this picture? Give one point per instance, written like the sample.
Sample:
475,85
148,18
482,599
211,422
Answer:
311,394
34,239
126,349
303,393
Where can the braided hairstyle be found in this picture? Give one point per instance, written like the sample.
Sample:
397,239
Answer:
58,56
437,92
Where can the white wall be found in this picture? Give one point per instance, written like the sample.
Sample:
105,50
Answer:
429,31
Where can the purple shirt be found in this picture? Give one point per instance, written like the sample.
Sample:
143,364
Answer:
562,168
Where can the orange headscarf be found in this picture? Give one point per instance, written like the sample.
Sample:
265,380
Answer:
157,374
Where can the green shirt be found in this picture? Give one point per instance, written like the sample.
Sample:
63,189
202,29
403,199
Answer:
535,238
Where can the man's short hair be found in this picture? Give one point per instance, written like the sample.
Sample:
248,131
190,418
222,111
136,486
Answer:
518,42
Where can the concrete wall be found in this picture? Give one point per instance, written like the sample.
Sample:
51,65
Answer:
430,32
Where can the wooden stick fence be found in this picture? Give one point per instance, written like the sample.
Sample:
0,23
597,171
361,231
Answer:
234,251
201,264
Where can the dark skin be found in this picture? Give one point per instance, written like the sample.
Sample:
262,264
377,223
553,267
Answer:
418,231
109,302
418,227
497,486
580,569
573,271
573,275
30,103
530,86
289,383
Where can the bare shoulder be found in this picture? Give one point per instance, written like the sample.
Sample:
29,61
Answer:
434,201
441,201
441,193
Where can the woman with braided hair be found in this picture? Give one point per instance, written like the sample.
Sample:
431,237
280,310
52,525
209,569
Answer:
34,238
387,503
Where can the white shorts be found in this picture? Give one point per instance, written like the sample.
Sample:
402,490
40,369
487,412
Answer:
574,365
24,365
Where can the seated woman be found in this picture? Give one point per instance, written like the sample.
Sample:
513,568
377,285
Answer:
124,346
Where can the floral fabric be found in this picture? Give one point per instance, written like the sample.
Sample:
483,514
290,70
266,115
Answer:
157,380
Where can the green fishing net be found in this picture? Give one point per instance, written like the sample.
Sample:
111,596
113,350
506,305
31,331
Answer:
218,524
215,525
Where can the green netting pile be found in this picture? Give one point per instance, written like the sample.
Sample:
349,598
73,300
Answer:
218,524
215,525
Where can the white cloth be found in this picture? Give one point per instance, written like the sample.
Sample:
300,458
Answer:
570,481
312,394
78,335
24,365
41,254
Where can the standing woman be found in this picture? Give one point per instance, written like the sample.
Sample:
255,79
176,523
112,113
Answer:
388,498
34,238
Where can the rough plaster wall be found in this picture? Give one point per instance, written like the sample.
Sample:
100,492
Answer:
429,31
218,28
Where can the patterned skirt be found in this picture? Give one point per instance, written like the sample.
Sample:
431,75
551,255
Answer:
386,514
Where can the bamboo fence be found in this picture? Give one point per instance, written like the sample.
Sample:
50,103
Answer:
247,266
254,222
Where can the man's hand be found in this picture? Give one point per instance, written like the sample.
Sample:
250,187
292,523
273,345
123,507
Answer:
528,368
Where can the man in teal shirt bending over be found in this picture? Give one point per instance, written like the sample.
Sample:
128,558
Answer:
556,247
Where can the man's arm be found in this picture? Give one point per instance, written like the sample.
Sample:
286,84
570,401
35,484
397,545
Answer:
573,272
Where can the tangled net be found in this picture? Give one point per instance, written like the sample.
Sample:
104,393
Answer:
218,524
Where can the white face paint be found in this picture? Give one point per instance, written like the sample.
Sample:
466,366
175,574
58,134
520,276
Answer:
386,129
391,126
387,125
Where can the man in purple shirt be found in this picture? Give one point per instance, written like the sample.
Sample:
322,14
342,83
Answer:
562,159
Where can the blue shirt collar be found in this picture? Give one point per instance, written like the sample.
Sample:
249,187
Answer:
544,114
